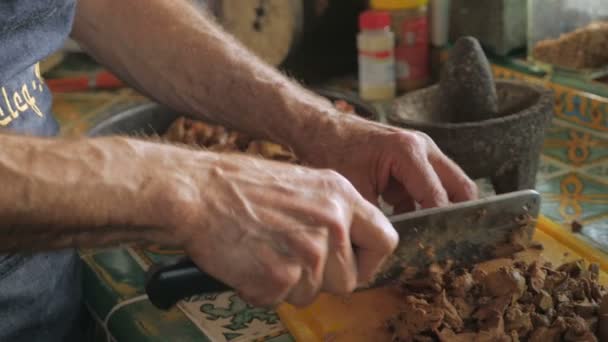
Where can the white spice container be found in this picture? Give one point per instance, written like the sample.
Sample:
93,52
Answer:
376,45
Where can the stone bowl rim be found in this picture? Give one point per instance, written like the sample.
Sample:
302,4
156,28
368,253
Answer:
545,98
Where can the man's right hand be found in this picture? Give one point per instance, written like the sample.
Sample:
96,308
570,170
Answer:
274,232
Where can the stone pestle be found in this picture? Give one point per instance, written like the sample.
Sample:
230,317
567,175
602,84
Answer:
467,91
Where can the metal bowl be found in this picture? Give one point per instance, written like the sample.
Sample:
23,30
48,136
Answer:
152,118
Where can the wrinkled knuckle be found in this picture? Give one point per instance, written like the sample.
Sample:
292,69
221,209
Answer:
315,257
412,143
282,279
424,138
336,181
340,234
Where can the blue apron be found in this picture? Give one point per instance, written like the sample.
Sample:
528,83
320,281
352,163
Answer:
40,294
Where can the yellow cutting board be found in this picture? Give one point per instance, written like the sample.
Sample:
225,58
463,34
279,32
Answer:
361,317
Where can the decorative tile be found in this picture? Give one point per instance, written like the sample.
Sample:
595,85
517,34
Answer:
574,196
549,168
226,317
220,317
572,105
571,146
583,109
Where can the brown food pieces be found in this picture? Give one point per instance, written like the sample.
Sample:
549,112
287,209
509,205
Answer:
503,300
217,138
576,226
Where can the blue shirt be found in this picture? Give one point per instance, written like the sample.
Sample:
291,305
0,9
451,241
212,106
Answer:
40,294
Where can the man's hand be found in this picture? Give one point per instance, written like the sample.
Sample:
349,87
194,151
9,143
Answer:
273,231
404,167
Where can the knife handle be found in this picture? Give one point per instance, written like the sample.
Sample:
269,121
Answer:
168,283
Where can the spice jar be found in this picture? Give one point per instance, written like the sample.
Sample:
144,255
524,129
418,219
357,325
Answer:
409,21
375,43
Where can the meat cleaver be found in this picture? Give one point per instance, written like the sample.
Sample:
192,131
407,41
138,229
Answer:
465,233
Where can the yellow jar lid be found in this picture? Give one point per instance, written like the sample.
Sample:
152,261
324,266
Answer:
397,4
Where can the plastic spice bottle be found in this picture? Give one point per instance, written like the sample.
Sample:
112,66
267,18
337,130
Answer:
410,24
376,44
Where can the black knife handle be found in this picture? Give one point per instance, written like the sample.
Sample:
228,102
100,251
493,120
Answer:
168,283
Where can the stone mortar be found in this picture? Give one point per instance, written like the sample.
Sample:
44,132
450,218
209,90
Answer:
505,147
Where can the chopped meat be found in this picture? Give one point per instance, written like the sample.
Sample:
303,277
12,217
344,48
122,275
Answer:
518,320
544,334
536,277
576,226
417,316
505,282
602,330
577,330
461,285
544,301
504,300
463,307
539,320
450,314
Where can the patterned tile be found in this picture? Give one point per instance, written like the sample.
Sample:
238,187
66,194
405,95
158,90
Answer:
219,317
571,105
226,317
600,171
574,196
571,146
549,167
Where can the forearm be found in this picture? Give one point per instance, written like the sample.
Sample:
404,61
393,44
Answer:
87,192
183,59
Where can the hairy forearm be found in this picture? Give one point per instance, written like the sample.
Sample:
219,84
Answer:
87,192
180,57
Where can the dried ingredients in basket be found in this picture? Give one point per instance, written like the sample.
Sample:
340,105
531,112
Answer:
584,48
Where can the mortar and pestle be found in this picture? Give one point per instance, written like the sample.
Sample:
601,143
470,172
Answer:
491,129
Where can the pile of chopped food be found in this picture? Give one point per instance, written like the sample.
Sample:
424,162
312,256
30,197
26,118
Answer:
503,300
219,139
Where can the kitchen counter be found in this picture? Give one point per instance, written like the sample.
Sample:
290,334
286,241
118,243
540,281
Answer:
573,180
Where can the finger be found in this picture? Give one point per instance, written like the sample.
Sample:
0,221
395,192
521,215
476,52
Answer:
299,236
420,179
395,195
458,185
374,238
310,246
340,275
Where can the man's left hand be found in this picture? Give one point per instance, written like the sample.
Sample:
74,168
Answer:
404,167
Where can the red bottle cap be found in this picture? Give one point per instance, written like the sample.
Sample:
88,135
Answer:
374,20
